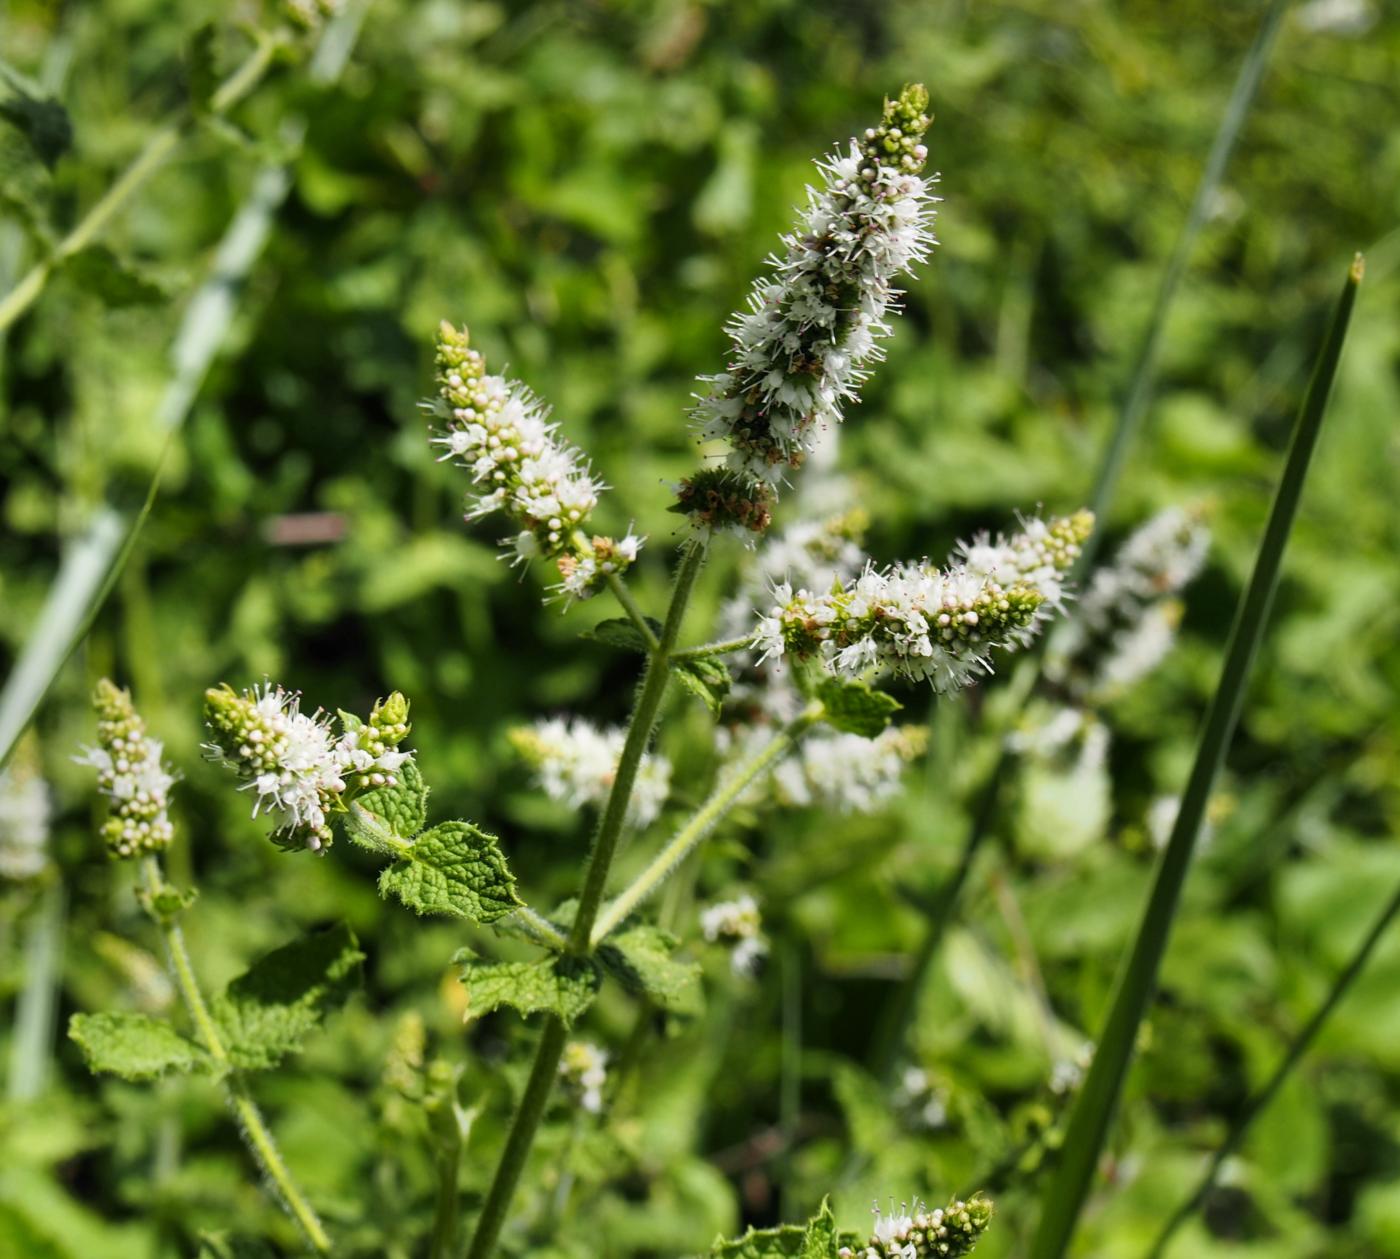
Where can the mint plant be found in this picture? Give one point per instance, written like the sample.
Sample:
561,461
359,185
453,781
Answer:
796,681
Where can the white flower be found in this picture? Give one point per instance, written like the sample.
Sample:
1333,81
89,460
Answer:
584,1070
576,762
849,773
799,351
921,1099
738,925
500,432
24,816
298,768
1127,618
130,774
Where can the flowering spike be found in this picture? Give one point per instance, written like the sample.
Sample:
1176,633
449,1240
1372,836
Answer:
576,762
799,351
299,769
915,1232
24,814
738,925
130,774
584,1070
500,432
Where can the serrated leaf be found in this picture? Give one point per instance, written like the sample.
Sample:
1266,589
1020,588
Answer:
784,1242
116,283
134,1046
203,80
267,1012
560,985
640,959
43,122
618,631
816,1240
403,806
455,869
707,677
856,707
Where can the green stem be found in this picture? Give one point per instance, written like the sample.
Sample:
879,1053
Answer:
634,612
157,149
1094,1111
721,648
1296,1050
545,1068
702,822
1144,376
256,1134
443,1244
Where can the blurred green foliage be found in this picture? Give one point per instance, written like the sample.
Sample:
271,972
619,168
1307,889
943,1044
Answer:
592,186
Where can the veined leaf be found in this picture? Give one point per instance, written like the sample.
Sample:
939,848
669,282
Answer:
855,707
135,1046
640,958
453,869
557,985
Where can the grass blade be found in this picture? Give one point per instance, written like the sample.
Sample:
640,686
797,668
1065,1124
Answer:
1093,1112
1297,1048
1144,377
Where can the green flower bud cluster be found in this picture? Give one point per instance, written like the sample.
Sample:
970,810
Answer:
130,774
898,140
723,499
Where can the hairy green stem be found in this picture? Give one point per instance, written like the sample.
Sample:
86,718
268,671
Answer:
550,1048
703,821
634,613
251,1124
1297,1048
157,149
443,1243
721,648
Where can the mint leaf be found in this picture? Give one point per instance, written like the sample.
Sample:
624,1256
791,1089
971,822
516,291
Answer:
640,959
116,283
558,985
818,1240
403,806
707,677
454,869
855,707
268,1011
618,631
43,122
134,1046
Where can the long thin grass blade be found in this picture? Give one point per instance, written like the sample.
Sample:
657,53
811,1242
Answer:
1144,377
1295,1053
94,562
1093,1112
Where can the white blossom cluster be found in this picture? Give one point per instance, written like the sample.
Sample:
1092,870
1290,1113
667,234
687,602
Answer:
24,816
130,774
799,352
1127,619
584,1070
848,773
738,925
929,624
501,433
300,770
576,762
918,1233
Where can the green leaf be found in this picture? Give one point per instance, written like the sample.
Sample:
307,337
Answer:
454,869
640,958
784,1242
560,985
268,1011
856,707
134,1046
116,283
43,122
817,1240
708,677
203,79
403,806
620,632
